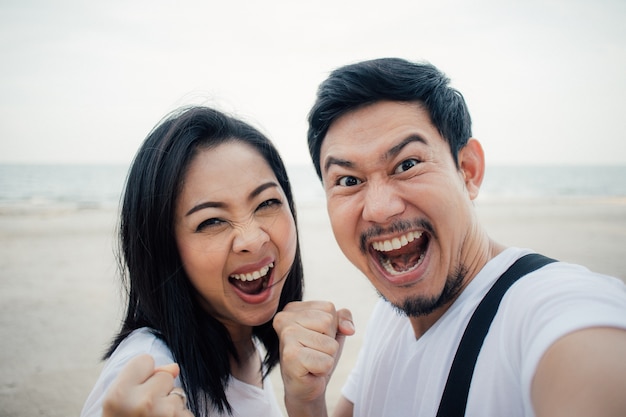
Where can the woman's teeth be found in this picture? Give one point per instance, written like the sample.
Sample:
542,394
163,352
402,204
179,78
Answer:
251,276
396,242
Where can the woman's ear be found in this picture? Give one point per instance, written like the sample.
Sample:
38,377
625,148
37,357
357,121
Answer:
472,166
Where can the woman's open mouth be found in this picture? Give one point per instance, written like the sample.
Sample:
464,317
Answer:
252,283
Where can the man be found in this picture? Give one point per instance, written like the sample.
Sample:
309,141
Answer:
392,144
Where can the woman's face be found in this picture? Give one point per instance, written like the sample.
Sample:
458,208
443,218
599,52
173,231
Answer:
235,234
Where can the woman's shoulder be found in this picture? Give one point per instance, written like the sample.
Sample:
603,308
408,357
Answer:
140,341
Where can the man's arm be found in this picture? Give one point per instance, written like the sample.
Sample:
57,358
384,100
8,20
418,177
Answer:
582,374
311,338
344,408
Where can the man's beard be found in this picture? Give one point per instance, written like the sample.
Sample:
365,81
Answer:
417,306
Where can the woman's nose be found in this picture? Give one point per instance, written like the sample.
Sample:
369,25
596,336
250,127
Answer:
250,238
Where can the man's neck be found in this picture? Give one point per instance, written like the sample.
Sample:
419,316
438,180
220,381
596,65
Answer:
476,262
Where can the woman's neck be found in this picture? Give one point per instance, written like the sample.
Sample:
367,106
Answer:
248,368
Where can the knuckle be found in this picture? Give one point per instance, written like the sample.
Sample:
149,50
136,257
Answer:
324,364
327,320
329,307
278,321
289,353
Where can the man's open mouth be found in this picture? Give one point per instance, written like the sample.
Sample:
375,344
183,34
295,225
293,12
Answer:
253,282
401,254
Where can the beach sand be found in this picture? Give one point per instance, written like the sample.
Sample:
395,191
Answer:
60,298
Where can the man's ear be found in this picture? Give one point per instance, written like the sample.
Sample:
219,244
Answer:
472,166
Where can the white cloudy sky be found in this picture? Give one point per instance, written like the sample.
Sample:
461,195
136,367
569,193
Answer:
84,81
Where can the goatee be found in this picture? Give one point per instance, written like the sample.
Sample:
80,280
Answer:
417,306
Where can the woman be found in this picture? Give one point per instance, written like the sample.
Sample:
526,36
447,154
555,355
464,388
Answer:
209,254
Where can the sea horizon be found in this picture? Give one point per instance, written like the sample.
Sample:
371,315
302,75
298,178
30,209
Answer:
101,185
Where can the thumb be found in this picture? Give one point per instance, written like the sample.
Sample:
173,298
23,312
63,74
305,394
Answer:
345,325
172,369
136,371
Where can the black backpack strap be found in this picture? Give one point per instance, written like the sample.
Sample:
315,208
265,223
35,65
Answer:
454,398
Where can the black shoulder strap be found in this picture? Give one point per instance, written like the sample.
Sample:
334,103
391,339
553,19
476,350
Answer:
454,398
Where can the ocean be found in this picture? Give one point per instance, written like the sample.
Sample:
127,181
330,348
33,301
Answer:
95,186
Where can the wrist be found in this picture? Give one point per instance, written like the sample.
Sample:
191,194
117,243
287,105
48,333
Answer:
315,408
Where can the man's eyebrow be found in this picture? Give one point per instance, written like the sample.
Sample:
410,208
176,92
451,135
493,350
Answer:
337,161
209,204
394,151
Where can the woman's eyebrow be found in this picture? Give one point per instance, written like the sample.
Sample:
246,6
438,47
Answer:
258,190
201,206
214,204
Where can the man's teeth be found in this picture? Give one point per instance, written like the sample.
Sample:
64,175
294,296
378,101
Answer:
396,242
390,269
251,276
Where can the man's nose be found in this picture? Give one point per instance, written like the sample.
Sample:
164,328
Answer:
382,202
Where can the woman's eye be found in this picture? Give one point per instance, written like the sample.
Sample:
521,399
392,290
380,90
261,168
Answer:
270,203
348,181
406,165
213,222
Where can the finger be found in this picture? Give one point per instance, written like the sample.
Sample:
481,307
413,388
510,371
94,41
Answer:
345,322
318,317
322,322
183,413
142,389
168,406
125,396
172,369
307,352
310,305
345,328
307,332
160,384
178,392
316,362
136,371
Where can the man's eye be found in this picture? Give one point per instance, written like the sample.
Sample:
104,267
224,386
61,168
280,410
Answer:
406,165
348,181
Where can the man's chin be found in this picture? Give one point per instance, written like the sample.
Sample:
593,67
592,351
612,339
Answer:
415,306
423,305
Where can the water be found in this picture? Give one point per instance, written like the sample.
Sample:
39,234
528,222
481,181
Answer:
511,181
81,186
92,186
555,181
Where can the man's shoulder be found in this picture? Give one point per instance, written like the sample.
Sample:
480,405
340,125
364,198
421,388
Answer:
564,292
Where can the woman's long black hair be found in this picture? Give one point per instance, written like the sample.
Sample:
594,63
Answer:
159,293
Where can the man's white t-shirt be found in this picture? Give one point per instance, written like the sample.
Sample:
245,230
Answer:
245,400
399,375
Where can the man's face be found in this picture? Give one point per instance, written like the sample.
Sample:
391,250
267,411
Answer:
398,205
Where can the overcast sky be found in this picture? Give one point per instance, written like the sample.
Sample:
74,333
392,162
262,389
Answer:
84,82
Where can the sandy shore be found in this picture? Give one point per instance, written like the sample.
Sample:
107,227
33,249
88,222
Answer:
60,304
